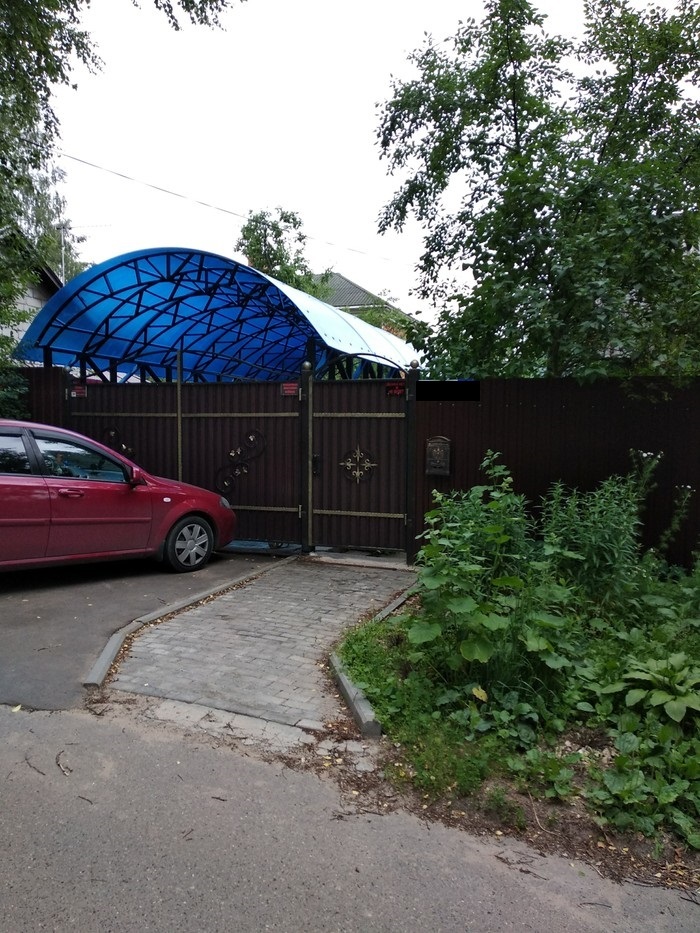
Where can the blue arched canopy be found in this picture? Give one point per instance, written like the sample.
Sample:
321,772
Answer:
164,313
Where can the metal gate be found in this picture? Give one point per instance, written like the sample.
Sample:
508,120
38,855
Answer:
357,494
320,464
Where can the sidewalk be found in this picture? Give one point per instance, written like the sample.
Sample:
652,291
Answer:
255,651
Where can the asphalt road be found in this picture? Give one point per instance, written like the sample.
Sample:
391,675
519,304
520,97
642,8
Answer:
110,824
54,623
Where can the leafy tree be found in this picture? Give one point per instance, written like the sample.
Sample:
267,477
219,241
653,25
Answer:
14,393
45,224
558,185
40,40
274,244
384,315
15,261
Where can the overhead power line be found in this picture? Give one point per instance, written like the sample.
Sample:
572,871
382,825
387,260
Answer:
216,207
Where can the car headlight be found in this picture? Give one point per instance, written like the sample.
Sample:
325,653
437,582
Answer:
224,503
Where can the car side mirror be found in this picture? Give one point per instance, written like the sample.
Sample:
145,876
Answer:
136,477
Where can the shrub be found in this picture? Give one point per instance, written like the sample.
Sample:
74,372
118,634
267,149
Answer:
13,393
524,628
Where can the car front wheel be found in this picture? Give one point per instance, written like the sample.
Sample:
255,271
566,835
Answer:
189,544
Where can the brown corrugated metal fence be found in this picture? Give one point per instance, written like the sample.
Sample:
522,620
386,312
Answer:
551,430
339,476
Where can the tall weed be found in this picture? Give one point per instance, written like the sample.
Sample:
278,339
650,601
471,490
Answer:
493,615
593,538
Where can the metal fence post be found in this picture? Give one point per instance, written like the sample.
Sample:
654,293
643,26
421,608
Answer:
412,377
306,414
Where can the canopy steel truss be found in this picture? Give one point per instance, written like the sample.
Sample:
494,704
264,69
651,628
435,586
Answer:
165,314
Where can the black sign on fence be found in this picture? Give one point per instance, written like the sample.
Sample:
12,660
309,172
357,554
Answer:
453,390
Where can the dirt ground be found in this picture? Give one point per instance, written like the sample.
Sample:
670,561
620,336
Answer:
550,828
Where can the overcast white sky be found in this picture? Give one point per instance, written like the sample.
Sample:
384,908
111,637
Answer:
277,110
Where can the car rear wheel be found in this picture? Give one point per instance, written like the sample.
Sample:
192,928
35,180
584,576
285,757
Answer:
189,544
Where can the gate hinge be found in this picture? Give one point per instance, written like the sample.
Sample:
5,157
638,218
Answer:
299,511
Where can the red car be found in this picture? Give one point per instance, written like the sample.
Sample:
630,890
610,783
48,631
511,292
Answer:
65,498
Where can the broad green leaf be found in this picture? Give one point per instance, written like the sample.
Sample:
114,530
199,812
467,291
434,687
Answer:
546,619
676,709
535,642
556,661
627,743
494,623
623,782
477,649
615,782
658,697
506,601
652,600
633,696
433,582
671,792
667,613
628,722
641,675
514,582
670,732
460,604
616,687
421,633
480,693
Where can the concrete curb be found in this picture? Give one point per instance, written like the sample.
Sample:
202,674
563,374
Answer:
100,668
358,704
357,560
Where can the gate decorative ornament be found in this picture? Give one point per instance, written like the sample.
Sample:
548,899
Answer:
111,438
357,465
239,457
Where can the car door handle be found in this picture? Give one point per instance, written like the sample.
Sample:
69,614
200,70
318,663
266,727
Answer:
71,493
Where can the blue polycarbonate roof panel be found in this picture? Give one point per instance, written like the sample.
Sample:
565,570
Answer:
212,316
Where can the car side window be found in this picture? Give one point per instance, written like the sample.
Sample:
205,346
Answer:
74,461
13,455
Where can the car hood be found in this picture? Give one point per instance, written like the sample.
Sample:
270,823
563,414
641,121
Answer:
175,485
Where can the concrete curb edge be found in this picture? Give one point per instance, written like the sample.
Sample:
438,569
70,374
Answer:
100,668
358,704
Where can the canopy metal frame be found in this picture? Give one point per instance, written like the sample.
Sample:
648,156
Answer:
161,312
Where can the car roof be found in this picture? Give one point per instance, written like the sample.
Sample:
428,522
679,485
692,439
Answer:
12,423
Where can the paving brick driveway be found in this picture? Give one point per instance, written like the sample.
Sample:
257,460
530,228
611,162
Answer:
255,650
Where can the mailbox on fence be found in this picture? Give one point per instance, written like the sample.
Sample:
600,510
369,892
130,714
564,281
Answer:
437,456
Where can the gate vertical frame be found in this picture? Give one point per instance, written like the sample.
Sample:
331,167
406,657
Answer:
178,402
306,418
411,546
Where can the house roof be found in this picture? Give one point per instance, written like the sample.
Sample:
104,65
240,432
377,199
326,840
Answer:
49,279
346,294
211,317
